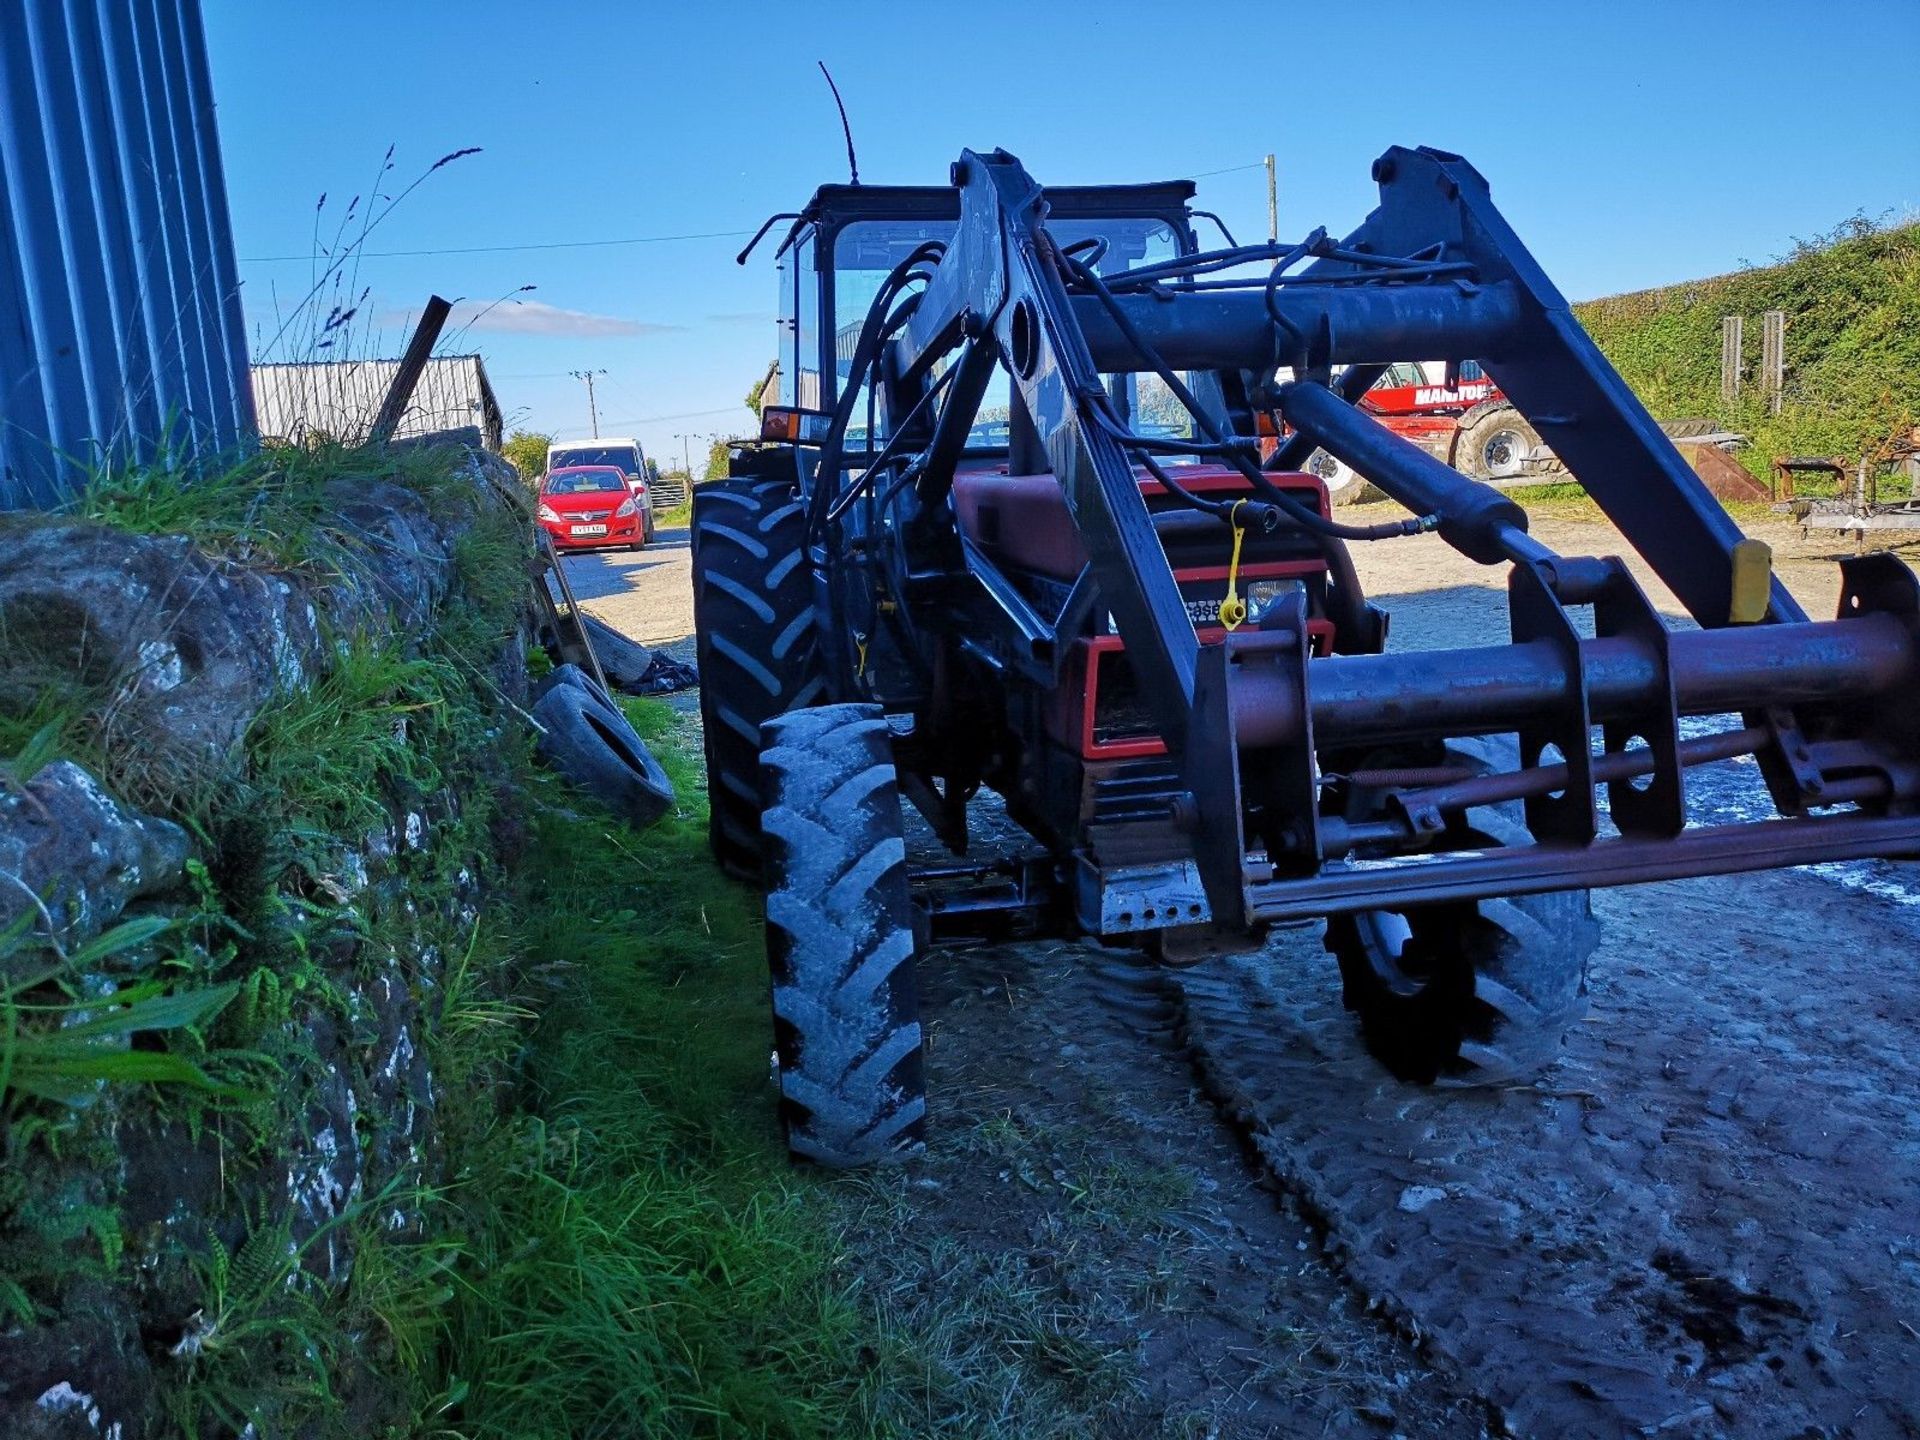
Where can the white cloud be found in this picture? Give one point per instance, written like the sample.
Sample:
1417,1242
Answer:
534,317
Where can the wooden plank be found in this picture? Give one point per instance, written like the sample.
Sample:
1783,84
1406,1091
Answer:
413,364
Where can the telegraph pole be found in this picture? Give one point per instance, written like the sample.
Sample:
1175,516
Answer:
593,411
686,465
1273,201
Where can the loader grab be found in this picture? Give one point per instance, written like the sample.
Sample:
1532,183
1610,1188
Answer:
1018,489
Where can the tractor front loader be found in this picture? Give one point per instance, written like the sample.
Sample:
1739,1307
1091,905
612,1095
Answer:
1010,531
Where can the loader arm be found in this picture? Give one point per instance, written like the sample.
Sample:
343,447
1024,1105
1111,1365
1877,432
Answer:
1434,272
998,277
1551,370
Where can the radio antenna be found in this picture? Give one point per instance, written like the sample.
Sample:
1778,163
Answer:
853,166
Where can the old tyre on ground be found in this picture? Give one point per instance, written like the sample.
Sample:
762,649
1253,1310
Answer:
840,940
1494,444
571,674
593,746
1469,994
758,656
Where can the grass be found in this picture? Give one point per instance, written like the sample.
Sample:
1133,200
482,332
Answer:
82,1040
277,504
202,1028
277,510
617,1245
1559,492
639,1258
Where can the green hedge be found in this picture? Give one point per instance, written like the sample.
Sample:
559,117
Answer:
1852,301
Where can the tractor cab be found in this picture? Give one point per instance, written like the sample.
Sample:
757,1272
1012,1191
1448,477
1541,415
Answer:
836,260
848,239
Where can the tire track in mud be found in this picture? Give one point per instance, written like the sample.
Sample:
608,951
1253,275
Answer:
1704,1221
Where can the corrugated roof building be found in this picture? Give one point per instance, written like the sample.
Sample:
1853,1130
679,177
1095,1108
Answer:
338,399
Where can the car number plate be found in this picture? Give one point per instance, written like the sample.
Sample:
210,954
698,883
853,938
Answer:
589,529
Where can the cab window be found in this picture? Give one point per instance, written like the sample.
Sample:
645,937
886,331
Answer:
806,326
866,251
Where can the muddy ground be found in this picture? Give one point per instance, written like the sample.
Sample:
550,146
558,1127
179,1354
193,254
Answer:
1212,1215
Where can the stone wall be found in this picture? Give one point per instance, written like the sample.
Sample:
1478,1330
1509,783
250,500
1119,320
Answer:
259,780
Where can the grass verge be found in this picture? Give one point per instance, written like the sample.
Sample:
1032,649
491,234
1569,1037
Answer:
640,1259
165,1088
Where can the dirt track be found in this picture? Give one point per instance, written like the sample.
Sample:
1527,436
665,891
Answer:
1704,1222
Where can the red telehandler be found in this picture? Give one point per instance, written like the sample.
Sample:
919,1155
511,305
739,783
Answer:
1453,412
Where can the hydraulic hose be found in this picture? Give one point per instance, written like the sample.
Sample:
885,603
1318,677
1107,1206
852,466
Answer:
1303,516
890,453
879,325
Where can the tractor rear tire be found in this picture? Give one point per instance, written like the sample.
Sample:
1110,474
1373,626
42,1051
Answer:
758,655
840,940
1469,994
1494,444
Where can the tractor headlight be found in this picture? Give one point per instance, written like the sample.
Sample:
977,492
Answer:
1263,594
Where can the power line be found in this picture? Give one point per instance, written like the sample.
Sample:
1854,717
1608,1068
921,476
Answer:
1230,170
587,244
502,249
682,415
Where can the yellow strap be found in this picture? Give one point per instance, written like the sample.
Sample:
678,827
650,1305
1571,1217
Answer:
860,645
1233,610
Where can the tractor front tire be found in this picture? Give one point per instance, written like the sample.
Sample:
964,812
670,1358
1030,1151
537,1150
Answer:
1469,994
758,655
840,940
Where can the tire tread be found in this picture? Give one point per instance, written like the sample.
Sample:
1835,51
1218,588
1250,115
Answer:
840,940
753,614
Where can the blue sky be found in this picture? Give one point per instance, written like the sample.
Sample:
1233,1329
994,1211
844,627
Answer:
1629,143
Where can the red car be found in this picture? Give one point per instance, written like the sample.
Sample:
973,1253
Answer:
582,506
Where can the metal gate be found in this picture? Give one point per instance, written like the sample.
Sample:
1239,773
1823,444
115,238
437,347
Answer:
121,339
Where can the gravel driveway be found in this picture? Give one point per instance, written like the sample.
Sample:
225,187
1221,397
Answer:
645,594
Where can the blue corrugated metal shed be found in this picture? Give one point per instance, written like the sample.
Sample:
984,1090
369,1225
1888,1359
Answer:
120,325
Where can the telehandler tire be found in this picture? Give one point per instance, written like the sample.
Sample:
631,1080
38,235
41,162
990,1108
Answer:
1469,994
840,940
1494,444
1344,486
758,655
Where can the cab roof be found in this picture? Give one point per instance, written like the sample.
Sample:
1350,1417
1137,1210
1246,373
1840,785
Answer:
833,203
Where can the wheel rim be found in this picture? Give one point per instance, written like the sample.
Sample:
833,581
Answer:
1504,453
1386,940
1322,464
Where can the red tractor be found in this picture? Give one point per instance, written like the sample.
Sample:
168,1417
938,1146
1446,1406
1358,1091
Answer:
1014,557
1462,418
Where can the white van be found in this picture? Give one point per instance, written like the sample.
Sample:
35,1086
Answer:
623,454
